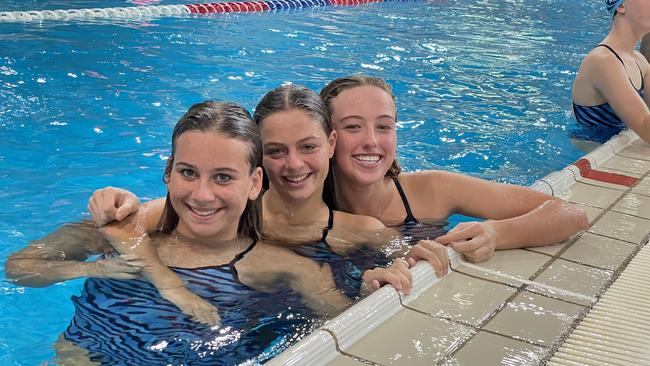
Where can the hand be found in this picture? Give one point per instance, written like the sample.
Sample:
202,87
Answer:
397,275
109,204
476,241
123,267
191,304
432,252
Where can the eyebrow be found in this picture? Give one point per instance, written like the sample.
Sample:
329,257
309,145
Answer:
356,116
219,169
272,143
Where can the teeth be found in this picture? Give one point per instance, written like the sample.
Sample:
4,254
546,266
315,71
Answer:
297,179
204,212
368,158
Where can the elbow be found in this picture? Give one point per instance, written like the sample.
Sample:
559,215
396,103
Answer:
16,271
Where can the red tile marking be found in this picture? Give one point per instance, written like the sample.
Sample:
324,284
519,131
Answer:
585,170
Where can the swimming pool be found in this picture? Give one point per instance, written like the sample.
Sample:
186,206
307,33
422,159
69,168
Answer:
483,88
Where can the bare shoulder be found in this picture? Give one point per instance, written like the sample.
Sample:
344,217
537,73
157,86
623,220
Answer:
432,178
351,221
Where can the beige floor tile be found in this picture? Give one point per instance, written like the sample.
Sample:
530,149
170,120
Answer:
635,152
493,349
627,164
634,204
464,298
572,277
590,195
592,212
622,227
345,361
412,339
643,187
599,251
535,318
550,249
514,262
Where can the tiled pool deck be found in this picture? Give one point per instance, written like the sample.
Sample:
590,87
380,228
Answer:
518,307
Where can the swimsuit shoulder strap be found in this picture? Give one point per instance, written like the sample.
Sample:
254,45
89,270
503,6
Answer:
330,225
405,202
620,59
241,255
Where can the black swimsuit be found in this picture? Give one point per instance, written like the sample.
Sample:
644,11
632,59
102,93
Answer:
411,227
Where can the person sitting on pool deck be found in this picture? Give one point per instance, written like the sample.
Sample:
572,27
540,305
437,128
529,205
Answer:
609,89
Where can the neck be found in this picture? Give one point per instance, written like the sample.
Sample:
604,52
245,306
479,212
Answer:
622,36
371,200
279,208
216,241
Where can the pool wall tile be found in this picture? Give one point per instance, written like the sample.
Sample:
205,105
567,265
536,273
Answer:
643,187
518,263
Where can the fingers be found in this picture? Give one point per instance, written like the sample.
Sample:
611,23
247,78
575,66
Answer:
126,205
432,252
462,231
397,275
467,246
206,315
108,204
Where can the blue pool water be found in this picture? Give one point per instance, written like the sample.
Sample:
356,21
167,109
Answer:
483,88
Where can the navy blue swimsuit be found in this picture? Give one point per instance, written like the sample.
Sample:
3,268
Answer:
414,230
599,123
128,323
346,270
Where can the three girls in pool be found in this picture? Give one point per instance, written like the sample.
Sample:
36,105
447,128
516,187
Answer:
609,89
209,182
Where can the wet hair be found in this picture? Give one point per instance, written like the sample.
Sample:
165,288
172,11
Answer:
235,122
289,97
335,87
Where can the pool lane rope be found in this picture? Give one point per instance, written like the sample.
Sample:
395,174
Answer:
139,12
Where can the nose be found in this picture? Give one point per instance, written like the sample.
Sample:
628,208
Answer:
294,160
203,191
370,138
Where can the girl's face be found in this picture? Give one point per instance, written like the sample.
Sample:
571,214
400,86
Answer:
296,153
364,118
210,184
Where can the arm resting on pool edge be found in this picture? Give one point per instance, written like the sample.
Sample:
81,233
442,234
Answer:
61,255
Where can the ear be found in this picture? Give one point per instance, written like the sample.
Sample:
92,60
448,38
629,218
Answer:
256,184
168,169
332,143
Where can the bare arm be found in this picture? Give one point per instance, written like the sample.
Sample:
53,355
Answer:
128,237
517,216
61,256
267,267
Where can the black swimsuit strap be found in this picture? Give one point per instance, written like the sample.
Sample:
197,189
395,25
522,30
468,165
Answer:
405,201
620,59
330,225
237,258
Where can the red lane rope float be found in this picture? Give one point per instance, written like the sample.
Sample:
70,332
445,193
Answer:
587,172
